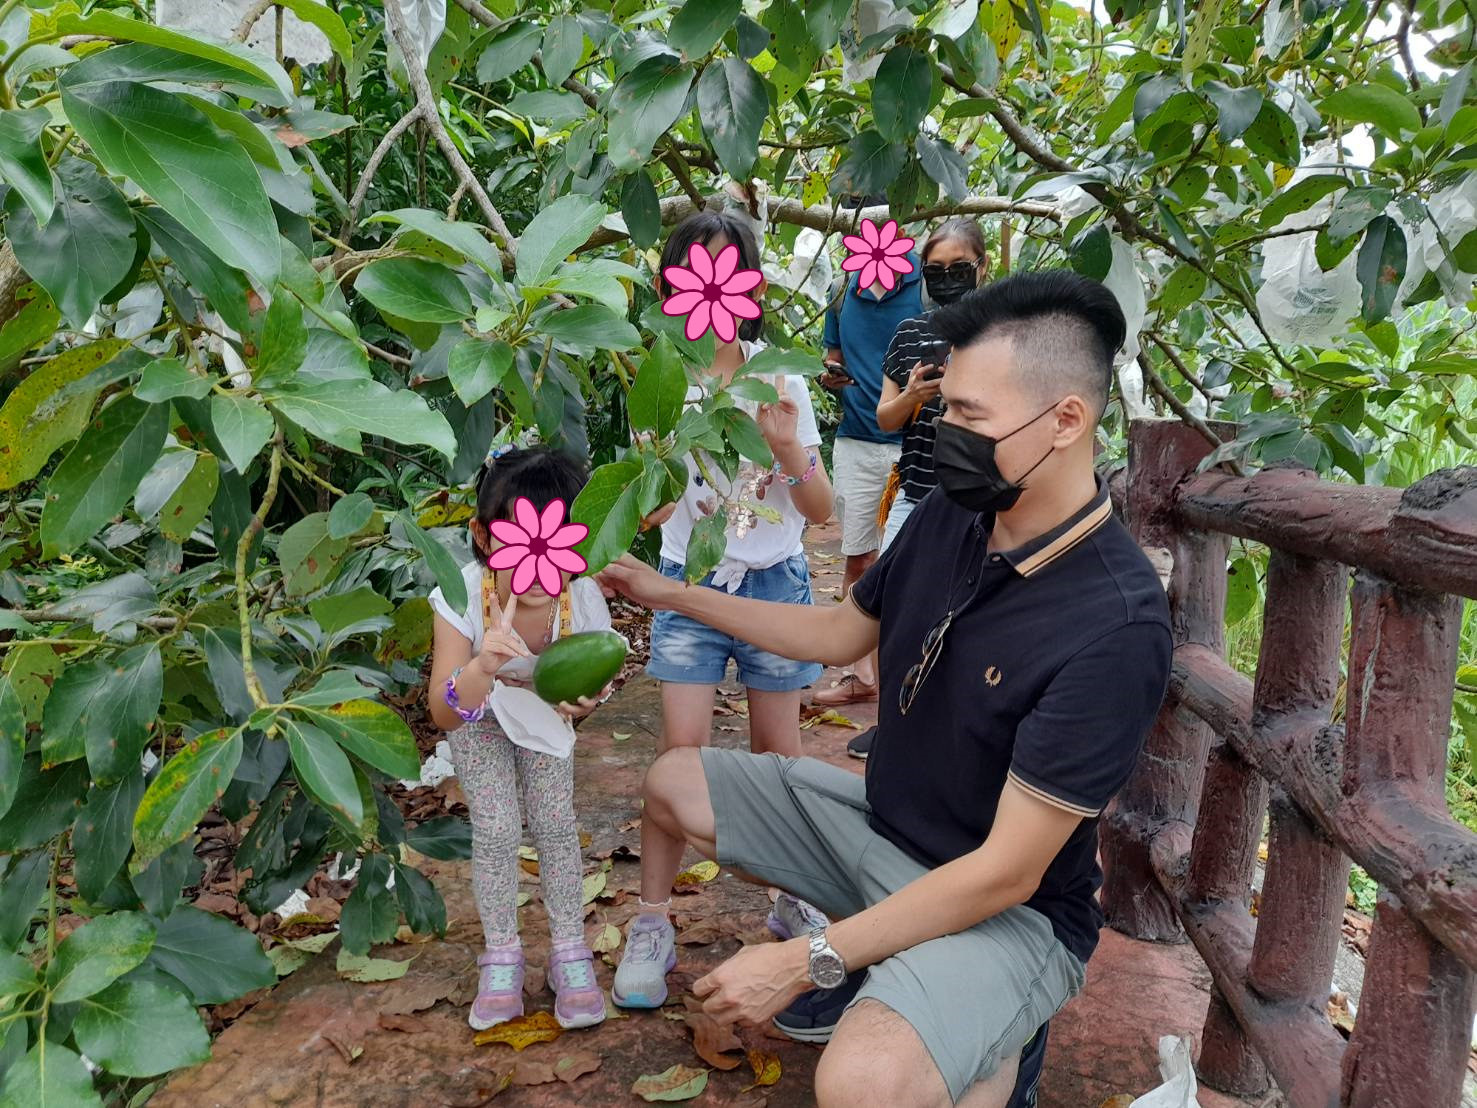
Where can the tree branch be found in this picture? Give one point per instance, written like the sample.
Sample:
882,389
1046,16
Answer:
1165,393
1180,366
372,166
248,21
426,101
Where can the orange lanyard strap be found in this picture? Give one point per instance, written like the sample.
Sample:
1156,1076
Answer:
492,610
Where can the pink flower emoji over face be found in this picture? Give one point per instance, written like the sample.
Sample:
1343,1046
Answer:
710,292
880,255
537,546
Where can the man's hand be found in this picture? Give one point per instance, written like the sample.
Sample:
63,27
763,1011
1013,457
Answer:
632,577
835,377
756,983
582,707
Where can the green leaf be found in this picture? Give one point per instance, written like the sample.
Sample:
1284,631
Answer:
424,909
1455,93
12,743
1236,108
350,515
945,165
791,43
242,424
187,785
744,435
732,103
1354,210
284,337
373,732
341,610
20,895
22,162
214,960
706,545
446,838
1184,286
172,151
415,289
699,353
158,64
1378,105
105,708
1197,45
870,165
252,138
590,326
1092,252
45,804
1300,197
548,106
554,233
101,838
640,207
677,1083
643,106
326,20
608,506
1381,267
259,69
97,954
900,92
187,506
50,1076
225,288
443,567
324,772
32,324
165,378
462,237
17,976
509,52
370,914
656,399
85,249
1242,591
95,480
698,27
1273,135
340,411
564,44
141,1028
476,367
310,556
363,970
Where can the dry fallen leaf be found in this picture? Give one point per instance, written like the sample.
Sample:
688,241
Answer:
1122,1100
350,1051
534,979
585,839
1339,1014
523,898
574,1066
528,866
593,886
364,969
677,1083
702,934
533,1073
390,1022
540,1027
629,825
711,1039
620,736
766,1069
608,940
701,873
830,716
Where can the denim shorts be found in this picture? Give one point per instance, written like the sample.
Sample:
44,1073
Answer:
687,652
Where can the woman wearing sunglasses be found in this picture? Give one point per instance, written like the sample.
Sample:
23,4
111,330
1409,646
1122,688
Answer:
954,262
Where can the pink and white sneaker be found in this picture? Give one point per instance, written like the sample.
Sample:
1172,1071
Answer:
578,1000
499,987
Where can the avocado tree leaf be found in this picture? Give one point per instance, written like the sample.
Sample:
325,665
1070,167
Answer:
732,104
22,163
340,411
555,233
188,784
643,106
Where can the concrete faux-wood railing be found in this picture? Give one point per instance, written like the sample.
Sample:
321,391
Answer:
1180,844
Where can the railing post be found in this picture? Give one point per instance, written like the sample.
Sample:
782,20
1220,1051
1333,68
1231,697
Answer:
1165,785
1412,1036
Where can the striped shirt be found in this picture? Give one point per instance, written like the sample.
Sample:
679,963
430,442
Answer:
915,467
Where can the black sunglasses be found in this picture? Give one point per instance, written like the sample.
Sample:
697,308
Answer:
959,271
933,646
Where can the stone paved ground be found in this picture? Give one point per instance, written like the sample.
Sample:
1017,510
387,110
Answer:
322,1041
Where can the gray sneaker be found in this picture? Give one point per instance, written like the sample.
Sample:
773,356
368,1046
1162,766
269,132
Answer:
651,954
792,916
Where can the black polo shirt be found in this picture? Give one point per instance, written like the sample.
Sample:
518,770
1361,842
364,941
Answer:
1051,673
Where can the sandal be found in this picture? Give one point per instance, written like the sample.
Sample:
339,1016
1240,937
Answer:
849,690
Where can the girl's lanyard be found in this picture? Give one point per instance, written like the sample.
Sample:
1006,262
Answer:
492,610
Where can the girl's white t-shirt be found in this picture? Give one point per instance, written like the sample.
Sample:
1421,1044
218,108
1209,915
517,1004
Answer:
587,612
764,544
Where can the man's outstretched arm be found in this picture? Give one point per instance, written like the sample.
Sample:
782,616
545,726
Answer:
834,635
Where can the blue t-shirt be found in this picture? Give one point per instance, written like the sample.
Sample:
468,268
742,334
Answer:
863,334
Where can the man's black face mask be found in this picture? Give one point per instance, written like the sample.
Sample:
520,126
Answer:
964,462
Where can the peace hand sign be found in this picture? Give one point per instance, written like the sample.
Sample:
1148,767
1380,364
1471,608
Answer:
501,643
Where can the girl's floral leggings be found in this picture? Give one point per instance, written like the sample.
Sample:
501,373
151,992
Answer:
490,769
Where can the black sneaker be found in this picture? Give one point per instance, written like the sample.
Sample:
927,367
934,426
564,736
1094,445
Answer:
861,746
814,1015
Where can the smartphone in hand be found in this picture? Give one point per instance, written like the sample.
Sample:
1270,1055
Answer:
935,357
835,376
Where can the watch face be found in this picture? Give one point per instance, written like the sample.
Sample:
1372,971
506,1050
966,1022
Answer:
827,970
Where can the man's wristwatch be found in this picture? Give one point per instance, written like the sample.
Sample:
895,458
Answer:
827,970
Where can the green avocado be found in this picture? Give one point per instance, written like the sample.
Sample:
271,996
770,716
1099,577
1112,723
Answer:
578,665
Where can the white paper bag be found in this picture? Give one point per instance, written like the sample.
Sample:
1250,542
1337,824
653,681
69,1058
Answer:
1178,1073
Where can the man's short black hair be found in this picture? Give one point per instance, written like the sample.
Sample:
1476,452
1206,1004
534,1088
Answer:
1063,327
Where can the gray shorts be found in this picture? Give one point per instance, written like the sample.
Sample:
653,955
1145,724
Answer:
975,997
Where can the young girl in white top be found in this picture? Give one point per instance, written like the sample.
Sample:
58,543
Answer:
502,736
764,559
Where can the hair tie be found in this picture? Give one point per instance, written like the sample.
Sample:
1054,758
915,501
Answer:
498,451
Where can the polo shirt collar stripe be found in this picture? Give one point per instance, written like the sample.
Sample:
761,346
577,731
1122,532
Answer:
1041,552
1054,801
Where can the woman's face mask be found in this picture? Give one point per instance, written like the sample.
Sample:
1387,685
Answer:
947,283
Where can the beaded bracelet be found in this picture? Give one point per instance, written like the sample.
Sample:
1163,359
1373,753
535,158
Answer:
454,702
804,477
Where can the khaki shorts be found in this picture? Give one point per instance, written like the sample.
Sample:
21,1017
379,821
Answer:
976,997
859,478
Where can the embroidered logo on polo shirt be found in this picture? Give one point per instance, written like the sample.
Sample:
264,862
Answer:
992,676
